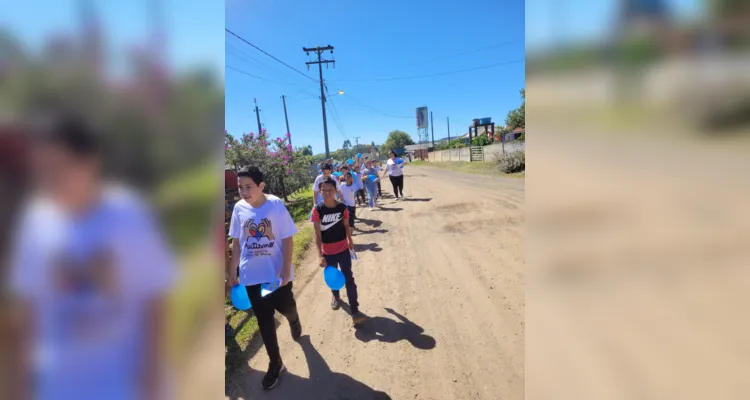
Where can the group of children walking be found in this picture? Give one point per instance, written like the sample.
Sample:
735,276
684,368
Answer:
262,231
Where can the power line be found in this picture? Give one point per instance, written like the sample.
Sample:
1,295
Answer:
259,77
255,62
336,116
467,52
268,54
375,109
304,91
337,121
432,75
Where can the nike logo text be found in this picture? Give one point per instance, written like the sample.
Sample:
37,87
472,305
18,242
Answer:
329,221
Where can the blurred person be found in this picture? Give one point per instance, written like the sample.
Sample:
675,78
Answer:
370,178
262,232
378,167
90,271
360,192
347,190
396,174
342,178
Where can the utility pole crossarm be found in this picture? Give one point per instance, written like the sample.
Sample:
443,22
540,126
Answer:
316,49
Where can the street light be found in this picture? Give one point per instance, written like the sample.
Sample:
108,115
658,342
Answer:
341,92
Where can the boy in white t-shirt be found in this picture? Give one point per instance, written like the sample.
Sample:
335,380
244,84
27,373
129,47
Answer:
262,233
348,191
91,270
327,171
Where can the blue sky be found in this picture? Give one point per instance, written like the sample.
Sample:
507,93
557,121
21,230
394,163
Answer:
195,29
373,39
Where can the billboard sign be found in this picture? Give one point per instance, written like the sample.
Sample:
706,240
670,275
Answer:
422,117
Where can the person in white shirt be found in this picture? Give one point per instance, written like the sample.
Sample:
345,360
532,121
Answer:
91,272
378,167
348,190
393,168
327,170
262,232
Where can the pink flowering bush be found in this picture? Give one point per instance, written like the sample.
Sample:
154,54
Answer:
286,170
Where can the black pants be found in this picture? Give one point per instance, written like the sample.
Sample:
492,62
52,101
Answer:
281,300
380,191
343,261
398,185
361,196
352,215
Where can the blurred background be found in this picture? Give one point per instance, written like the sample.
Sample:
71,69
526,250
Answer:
631,62
148,75
638,131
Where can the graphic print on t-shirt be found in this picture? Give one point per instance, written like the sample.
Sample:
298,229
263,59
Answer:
87,291
254,233
330,220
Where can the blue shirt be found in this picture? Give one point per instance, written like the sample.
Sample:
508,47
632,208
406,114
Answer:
370,184
358,180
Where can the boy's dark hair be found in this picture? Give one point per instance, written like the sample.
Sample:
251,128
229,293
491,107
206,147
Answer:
71,133
348,174
325,166
253,173
328,180
344,167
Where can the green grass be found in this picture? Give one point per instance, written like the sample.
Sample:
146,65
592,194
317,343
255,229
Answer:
244,323
191,300
483,168
190,194
300,205
184,203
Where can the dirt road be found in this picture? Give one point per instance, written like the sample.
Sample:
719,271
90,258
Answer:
442,277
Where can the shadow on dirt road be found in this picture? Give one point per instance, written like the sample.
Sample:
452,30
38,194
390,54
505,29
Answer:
322,383
387,330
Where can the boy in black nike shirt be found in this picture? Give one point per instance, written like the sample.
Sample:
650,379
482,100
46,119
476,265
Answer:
333,238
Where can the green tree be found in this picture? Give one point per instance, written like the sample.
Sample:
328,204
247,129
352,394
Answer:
346,147
396,139
481,140
307,151
516,118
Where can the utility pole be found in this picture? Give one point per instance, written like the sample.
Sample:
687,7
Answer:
432,128
286,118
448,119
356,146
257,115
319,50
